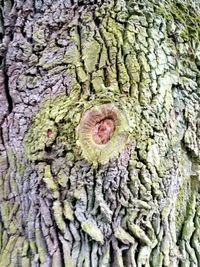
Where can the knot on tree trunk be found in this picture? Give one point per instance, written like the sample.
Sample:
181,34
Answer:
102,132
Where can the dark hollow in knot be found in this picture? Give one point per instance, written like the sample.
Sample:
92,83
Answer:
103,131
49,133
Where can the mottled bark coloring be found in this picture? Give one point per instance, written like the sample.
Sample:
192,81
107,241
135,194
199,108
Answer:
99,133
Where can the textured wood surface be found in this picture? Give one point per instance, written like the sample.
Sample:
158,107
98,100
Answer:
139,208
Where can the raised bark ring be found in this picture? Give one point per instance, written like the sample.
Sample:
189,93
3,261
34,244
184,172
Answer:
102,133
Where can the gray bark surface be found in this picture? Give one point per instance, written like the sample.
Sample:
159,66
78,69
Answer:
136,204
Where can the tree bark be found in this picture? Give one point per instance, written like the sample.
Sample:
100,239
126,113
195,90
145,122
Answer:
100,133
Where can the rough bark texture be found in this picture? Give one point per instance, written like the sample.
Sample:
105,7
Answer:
138,205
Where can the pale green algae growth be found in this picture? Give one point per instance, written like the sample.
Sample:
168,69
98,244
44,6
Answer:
184,14
56,124
181,204
93,231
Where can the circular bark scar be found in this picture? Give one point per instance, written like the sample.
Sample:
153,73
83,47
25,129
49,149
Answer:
102,132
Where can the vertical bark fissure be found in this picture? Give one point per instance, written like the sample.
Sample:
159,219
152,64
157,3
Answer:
8,96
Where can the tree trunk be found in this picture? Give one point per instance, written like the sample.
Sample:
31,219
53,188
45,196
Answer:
100,133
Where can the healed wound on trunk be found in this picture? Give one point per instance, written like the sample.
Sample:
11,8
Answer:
102,132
